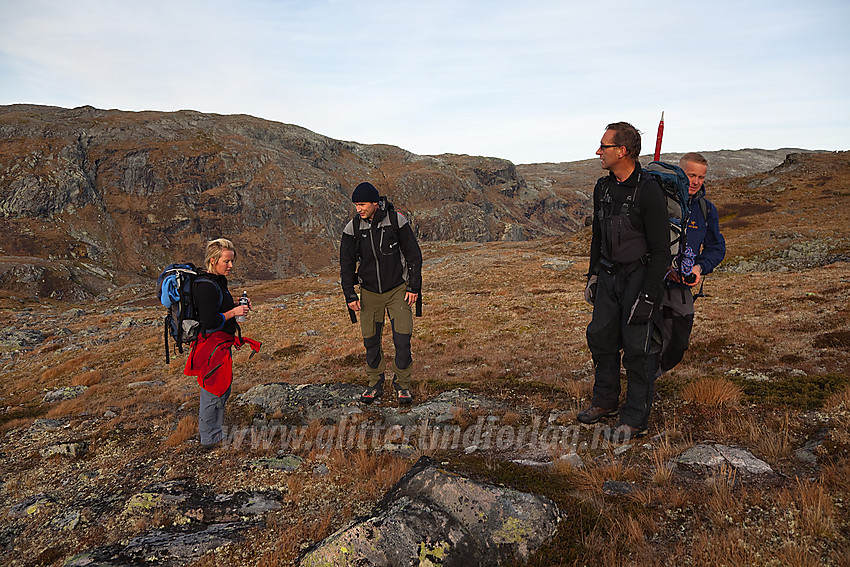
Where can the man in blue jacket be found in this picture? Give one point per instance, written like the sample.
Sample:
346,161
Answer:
708,247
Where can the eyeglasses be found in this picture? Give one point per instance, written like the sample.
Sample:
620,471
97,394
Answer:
604,146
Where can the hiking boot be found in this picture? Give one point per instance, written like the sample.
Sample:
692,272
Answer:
404,397
623,433
372,393
594,414
403,394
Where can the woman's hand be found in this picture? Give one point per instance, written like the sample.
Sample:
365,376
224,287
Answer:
237,311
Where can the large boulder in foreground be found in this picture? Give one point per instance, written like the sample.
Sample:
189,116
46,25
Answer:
434,517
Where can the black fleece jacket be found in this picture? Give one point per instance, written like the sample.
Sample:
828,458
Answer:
386,259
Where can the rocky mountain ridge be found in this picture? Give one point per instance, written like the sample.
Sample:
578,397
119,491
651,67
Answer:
92,199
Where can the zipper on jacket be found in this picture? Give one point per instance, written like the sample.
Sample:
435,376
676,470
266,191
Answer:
375,255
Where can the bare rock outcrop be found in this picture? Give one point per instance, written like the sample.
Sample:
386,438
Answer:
434,517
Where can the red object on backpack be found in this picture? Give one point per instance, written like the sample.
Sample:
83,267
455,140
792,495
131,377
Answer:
658,138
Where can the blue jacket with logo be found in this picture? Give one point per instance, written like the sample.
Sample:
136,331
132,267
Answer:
704,236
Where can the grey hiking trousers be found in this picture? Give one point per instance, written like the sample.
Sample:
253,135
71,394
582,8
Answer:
211,416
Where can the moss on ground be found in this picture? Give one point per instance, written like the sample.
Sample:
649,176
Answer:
804,392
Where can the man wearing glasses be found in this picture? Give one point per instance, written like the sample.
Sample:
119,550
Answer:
629,255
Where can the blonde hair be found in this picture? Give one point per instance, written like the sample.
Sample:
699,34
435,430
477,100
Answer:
214,250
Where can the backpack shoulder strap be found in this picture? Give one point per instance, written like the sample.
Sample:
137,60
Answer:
205,277
355,226
703,206
393,219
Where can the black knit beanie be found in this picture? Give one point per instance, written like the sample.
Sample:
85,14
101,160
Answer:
365,193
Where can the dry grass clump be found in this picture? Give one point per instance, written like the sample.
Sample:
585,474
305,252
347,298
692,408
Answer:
773,440
838,401
723,505
89,378
185,429
591,477
815,510
712,392
52,374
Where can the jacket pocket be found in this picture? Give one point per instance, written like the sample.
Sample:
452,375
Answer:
389,244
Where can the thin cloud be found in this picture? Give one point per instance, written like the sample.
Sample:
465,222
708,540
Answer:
531,82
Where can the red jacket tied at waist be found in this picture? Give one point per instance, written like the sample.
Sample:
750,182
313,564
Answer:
210,360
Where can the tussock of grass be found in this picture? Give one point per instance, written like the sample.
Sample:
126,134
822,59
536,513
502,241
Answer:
185,429
712,392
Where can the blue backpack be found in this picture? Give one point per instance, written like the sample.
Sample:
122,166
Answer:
174,289
674,183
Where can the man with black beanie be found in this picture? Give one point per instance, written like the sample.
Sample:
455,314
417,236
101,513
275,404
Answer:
380,253
629,254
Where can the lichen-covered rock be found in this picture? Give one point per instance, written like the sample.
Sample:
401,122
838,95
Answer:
66,393
66,449
434,517
200,521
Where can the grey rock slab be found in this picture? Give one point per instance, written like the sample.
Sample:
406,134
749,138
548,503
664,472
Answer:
438,410
167,547
808,452
286,463
305,402
208,521
46,424
744,460
573,459
557,265
66,393
30,505
434,517
714,456
146,384
21,338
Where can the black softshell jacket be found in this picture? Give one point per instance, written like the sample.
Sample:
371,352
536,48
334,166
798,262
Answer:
386,258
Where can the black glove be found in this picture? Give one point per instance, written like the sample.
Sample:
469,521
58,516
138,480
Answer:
641,310
590,290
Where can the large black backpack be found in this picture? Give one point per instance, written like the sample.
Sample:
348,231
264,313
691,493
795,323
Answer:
174,289
674,183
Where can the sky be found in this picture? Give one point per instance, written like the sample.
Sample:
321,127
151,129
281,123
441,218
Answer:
532,81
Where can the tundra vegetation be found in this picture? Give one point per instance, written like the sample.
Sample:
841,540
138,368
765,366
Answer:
767,371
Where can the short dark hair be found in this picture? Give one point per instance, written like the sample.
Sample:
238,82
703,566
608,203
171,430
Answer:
627,136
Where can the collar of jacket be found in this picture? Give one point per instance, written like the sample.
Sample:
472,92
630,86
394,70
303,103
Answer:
697,195
631,181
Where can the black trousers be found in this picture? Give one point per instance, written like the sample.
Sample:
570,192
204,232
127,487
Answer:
609,335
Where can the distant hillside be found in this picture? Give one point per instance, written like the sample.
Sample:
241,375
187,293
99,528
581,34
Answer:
94,198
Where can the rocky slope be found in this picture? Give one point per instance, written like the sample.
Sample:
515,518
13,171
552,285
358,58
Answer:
91,199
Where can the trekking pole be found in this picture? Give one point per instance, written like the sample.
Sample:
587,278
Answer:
657,155
352,315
